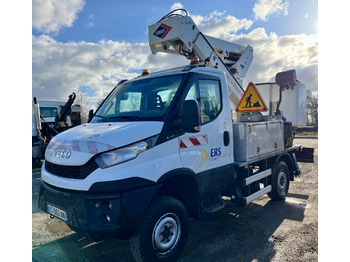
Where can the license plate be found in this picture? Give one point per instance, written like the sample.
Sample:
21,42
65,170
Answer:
59,213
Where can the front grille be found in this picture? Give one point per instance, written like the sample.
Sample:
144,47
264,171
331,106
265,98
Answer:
61,200
77,172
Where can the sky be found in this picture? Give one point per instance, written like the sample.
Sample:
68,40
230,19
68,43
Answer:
90,45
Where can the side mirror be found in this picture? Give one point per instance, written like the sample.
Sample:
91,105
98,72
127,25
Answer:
91,115
190,117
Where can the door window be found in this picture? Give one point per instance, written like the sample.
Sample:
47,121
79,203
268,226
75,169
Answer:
208,97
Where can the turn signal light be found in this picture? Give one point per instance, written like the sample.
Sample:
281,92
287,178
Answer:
194,61
145,72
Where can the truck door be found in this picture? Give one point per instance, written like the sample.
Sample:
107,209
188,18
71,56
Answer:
209,152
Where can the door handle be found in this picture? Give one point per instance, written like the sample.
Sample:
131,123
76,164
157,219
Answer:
226,138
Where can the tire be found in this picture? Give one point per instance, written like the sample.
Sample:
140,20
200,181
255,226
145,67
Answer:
279,182
162,233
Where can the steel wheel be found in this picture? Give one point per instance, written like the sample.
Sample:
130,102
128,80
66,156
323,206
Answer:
162,233
166,233
279,181
282,182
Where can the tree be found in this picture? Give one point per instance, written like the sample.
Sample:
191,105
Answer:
83,100
99,102
312,108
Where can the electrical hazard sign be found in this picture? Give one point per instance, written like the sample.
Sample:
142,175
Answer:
251,101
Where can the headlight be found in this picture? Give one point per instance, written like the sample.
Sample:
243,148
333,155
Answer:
124,154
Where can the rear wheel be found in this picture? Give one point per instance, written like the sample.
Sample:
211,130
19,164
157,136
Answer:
280,182
163,232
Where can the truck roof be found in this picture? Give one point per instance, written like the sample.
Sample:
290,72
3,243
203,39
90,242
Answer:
177,70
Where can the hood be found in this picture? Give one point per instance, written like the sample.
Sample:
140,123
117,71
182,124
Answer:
77,145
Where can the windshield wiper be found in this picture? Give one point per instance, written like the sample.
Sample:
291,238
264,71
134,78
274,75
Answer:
103,117
123,117
106,118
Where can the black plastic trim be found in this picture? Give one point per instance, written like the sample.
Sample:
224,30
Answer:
202,76
292,165
86,210
120,185
76,172
216,179
176,172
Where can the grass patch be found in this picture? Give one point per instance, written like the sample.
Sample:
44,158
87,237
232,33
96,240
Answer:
306,133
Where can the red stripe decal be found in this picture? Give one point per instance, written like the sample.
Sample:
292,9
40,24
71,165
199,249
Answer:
62,145
194,141
92,147
52,144
205,138
182,144
75,145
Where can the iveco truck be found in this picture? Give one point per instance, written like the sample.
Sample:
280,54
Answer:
167,146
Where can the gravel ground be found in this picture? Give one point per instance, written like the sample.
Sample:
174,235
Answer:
262,231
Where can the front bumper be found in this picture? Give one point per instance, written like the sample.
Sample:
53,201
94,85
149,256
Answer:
101,215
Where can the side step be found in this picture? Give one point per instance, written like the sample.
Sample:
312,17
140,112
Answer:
254,178
216,206
257,177
258,194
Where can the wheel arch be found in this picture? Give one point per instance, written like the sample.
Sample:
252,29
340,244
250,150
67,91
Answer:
288,160
181,184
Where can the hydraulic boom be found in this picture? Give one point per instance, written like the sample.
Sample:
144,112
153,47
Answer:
177,34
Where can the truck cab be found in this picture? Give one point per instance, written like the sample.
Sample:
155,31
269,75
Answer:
144,134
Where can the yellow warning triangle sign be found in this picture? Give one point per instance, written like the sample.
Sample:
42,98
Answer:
251,101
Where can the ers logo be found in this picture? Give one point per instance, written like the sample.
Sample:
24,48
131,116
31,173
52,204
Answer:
162,31
215,152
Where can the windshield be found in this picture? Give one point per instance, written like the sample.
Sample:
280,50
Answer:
48,111
140,99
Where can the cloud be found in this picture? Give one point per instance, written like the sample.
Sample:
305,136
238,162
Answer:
49,16
273,54
216,24
176,5
61,68
90,24
264,8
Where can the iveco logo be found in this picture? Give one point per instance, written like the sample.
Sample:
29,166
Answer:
61,153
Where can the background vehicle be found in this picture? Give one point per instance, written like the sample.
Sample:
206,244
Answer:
50,118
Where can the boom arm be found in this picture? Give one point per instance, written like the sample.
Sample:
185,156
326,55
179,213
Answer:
179,35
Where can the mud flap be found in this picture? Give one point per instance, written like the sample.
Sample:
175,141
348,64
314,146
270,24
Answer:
305,154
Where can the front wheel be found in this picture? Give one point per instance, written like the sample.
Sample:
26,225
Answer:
279,182
163,232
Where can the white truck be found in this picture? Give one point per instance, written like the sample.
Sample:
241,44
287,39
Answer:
167,146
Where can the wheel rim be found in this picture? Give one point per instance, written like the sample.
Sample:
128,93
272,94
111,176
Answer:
282,182
166,233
